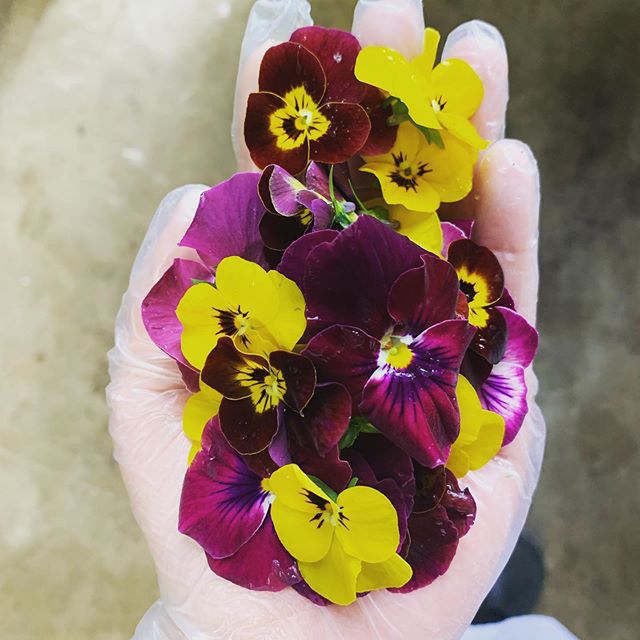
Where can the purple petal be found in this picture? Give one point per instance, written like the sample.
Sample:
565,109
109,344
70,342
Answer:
522,339
345,355
434,540
450,233
460,505
306,591
299,375
330,468
190,378
396,496
222,503
279,447
416,407
317,180
348,281
505,392
227,222
322,214
360,467
278,232
294,260
159,307
261,564
424,296
279,189
431,485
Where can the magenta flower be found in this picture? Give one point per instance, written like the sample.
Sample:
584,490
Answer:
385,316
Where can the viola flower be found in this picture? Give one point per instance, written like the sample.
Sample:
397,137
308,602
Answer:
385,312
259,310
504,390
444,97
422,228
307,105
199,409
255,390
481,432
345,544
293,208
419,175
482,282
233,204
224,508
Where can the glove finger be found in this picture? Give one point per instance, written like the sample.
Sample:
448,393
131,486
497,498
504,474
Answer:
270,22
398,24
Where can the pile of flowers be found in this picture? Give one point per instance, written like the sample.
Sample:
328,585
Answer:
350,357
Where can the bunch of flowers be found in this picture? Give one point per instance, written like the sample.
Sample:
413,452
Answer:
351,357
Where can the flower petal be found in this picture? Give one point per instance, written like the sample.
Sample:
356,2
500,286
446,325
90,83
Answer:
159,306
393,572
505,392
289,321
289,65
522,342
345,355
298,514
299,376
424,296
261,564
347,281
247,430
337,52
334,577
460,505
415,407
198,410
278,232
490,340
348,131
382,136
278,191
330,468
222,503
368,528
294,260
226,222
458,86
422,228
264,145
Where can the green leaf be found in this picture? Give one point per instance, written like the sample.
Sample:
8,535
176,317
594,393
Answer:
432,135
353,482
325,487
197,281
355,428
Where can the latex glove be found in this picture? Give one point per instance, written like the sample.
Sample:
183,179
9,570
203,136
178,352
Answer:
146,394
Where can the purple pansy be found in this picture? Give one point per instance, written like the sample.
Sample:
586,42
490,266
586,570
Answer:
504,390
225,510
385,316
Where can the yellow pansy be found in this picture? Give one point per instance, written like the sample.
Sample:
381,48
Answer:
261,311
198,410
419,175
343,546
422,228
444,97
481,432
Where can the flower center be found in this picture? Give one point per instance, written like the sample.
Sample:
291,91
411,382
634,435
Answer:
395,352
232,323
298,121
266,386
406,173
325,511
438,104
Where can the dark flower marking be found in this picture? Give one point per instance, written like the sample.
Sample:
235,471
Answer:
405,175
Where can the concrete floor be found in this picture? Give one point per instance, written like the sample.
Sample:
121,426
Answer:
105,106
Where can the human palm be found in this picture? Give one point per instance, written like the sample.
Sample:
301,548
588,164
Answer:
147,395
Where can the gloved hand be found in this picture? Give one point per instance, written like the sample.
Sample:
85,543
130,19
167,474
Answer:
146,394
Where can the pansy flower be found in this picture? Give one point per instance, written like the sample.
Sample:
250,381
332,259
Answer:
307,105
224,507
226,223
482,283
385,312
420,175
444,97
259,310
344,544
255,389
481,432
294,208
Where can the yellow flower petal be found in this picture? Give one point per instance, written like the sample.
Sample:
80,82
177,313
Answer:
481,432
334,577
382,67
193,452
198,410
289,323
392,573
458,86
369,528
424,62
422,228
200,324
301,514
462,129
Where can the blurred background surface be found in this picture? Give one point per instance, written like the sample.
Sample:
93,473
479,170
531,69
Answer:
106,106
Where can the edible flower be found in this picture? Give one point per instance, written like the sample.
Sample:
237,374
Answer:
259,310
481,432
384,315
441,98
344,544
255,390
420,175
307,106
